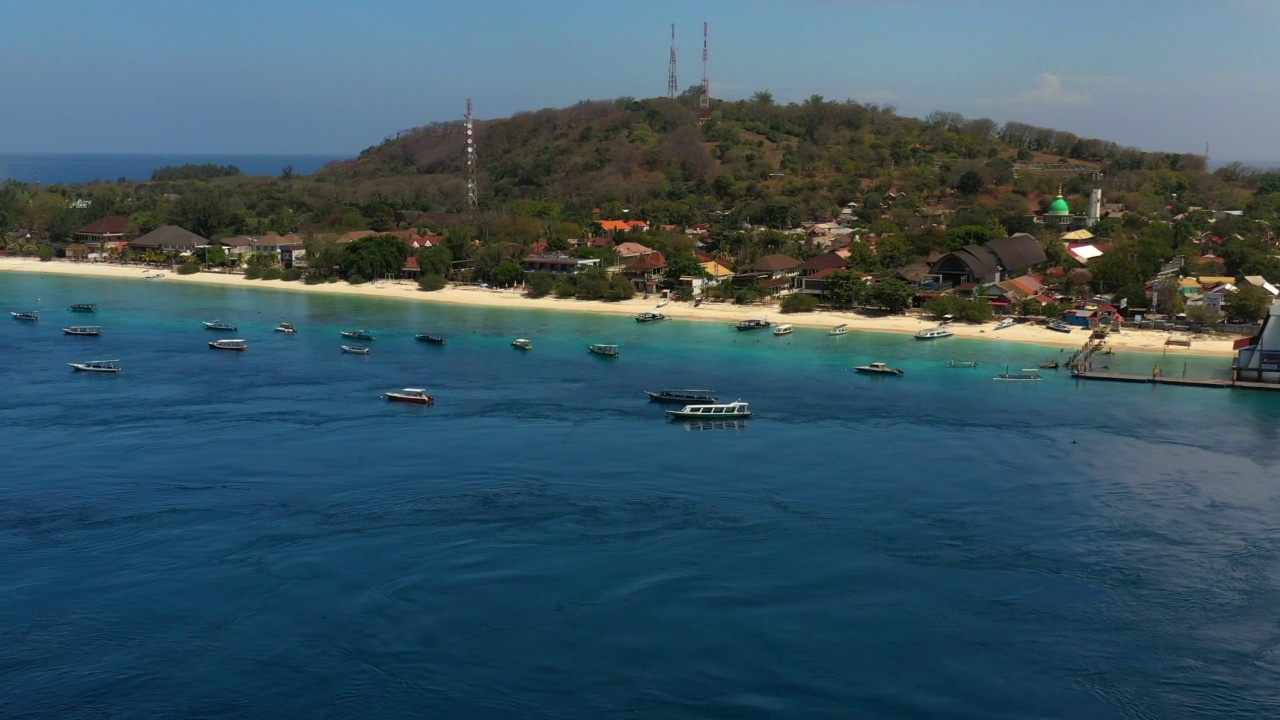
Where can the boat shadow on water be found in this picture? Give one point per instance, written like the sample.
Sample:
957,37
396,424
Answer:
692,425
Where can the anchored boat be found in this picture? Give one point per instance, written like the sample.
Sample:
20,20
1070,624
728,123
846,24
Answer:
220,325
683,397
355,349
29,316
606,350
878,368
84,308
839,330
88,330
97,366
521,344
418,396
236,344
286,328
432,338
752,324
736,409
358,334
934,333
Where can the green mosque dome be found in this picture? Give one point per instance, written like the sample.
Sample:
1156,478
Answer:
1059,207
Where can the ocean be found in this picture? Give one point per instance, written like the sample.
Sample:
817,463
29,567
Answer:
260,535
54,168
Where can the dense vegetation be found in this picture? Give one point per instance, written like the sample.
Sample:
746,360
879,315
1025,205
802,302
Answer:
918,185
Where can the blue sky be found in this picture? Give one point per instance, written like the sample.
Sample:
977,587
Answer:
323,76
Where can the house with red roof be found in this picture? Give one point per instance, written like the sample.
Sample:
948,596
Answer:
109,232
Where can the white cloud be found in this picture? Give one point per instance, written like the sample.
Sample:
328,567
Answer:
1049,90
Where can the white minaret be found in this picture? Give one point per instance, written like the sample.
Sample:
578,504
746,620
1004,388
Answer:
1095,207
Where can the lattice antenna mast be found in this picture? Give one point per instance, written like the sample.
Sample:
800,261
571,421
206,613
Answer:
704,98
473,196
672,88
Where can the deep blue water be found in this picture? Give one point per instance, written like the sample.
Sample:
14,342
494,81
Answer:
71,168
257,534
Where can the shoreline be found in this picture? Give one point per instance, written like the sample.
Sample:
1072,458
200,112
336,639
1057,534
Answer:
1148,341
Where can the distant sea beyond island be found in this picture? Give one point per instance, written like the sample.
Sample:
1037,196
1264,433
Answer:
67,168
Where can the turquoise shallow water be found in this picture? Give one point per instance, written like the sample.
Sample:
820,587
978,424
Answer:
218,534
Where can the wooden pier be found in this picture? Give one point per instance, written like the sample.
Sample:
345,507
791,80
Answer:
1157,379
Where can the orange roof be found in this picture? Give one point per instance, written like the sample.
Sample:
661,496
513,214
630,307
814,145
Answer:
614,225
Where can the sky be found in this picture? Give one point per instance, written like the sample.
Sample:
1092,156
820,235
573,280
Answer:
334,77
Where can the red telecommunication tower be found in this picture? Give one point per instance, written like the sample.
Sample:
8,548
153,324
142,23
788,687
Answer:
704,99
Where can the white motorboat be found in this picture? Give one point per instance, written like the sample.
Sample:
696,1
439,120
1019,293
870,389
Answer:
1006,323
1059,326
98,366
934,333
839,330
286,328
736,409
783,330
606,350
355,349
85,330
236,344
522,344
220,325
411,395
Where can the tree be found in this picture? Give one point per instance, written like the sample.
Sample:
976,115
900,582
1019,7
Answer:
1203,315
435,261
620,288
507,273
1248,302
969,183
431,282
1169,300
894,252
798,303
846,289
893,295
215,255
539,284
374,257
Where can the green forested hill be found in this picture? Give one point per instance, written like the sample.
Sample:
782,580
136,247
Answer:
775,164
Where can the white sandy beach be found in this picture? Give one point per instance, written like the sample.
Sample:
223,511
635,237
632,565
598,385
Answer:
1132,340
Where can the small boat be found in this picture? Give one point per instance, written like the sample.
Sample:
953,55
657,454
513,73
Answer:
606,350
752,324
240,345
1026,374
839,330
87,330
355,349
84,307
286,328
683,397
153,276
522,344
934,333
1059,326
358,334
878,368
783,330
430,338
961,364
220,325
411,395
736,409
1005,323
29,316
98,366
1049,365
649,317
946,319
663,304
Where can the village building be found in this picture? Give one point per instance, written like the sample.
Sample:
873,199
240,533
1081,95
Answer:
109,232
169,237
559,264
989,262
